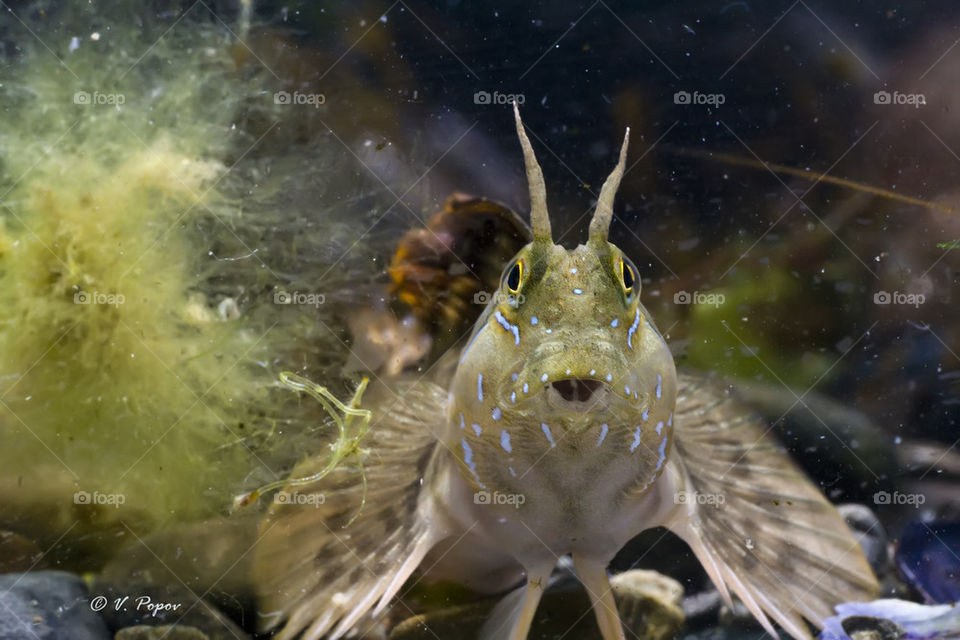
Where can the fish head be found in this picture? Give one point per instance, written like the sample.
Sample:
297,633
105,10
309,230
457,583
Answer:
564,356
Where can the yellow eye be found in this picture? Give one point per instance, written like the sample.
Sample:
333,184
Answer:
514,277
628,277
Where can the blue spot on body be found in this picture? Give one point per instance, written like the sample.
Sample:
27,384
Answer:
660,427
546,432
645,414
462,425
543,378
609,377
593,372
480,387
495,414
578,292
549,330
526,388
659,385
636,439
509,328
626,389
534,320
603,433
573,271
513,396
505,441
633,328
514,377
670,420
663,453
477,430
468,460
615,322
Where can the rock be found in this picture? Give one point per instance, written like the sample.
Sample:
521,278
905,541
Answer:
867,628
166,632
649,605
928,562
47,605
870,534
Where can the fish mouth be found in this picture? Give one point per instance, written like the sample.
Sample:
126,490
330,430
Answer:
578,395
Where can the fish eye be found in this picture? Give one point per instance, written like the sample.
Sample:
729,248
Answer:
628,277
514,277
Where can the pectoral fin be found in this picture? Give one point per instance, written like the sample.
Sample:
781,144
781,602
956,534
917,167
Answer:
759,527
323,562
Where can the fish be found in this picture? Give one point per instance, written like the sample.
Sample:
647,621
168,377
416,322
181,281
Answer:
561,427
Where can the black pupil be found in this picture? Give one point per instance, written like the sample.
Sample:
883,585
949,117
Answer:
627,276
513,278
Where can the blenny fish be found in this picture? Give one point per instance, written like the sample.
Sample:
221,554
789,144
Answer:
563,429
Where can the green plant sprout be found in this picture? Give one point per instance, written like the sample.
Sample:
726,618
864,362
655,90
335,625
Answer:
345,445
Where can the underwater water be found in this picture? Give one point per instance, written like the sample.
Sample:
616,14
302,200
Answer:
276,357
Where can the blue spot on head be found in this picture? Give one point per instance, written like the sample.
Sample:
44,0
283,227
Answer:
495,413
609,377
573,271
534,320
543,378
614,322
578,292
505,441
480,387
526,388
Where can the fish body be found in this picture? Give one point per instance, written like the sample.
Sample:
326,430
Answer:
564,429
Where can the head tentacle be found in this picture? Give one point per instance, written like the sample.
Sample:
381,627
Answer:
600,225
539,218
